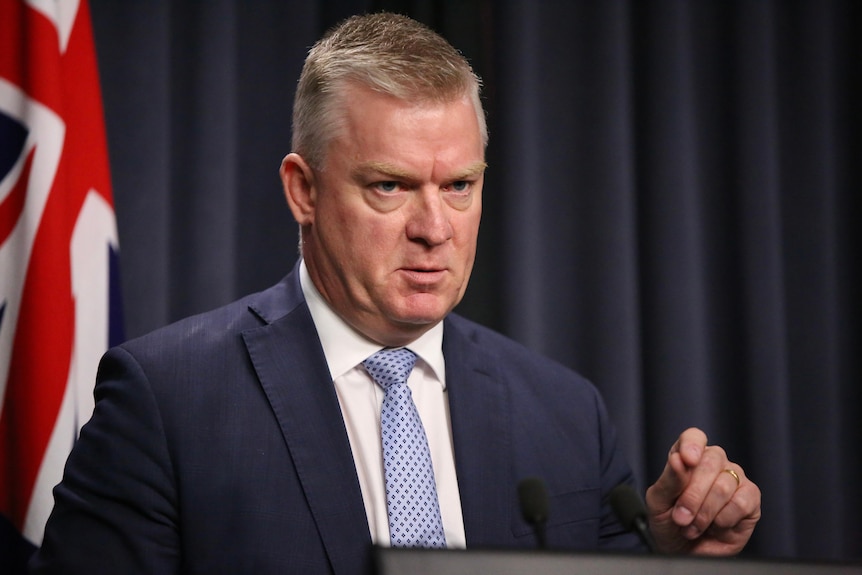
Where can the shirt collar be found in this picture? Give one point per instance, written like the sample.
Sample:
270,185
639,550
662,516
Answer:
345,348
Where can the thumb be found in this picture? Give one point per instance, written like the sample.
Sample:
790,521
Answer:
684,456
662,495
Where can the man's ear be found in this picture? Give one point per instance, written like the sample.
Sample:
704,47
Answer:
299,188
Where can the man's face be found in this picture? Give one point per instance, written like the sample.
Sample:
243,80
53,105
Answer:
393,215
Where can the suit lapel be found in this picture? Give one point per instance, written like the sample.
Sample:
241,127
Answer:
481,430
292,369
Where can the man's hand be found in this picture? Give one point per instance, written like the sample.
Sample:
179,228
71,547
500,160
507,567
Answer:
702,503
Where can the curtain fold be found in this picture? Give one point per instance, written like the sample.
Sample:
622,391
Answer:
671,207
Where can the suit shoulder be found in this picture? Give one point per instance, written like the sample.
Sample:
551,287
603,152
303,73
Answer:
513,356
213,328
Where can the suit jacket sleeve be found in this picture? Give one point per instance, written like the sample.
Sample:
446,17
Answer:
116,506
216,446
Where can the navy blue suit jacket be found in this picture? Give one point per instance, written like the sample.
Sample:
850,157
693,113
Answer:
217,446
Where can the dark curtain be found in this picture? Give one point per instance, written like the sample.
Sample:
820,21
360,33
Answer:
672,207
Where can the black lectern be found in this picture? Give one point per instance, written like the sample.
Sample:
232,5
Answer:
510,562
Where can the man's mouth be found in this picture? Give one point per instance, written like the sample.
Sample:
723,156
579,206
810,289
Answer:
424,276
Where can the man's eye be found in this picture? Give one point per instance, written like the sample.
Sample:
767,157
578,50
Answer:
387,187
460,186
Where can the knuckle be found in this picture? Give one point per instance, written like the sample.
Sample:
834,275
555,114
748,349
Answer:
747,498
704,518
727,519
717,452
726,487
714,458
694,499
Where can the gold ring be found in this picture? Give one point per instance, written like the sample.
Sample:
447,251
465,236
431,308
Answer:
734,475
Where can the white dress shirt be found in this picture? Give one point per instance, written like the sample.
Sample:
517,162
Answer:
361,400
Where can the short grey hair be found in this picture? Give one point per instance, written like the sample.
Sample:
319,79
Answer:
388,53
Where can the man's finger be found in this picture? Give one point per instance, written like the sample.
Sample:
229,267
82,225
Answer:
690,445
743,509
701,481
684,454
662,495
717,498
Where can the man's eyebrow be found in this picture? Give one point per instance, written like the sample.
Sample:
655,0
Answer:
397,173
471,171
383,168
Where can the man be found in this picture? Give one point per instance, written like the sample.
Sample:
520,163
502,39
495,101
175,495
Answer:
248,439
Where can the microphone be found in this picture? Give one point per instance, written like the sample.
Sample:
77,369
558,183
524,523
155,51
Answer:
630,510
534,505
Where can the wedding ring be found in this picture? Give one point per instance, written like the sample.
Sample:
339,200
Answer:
734,475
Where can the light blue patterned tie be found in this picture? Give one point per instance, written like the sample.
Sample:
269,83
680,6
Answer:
411,493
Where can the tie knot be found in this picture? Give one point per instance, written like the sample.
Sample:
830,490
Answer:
390,367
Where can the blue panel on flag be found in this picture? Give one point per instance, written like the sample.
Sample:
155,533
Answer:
13,134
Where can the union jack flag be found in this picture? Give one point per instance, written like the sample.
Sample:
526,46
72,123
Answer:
58,248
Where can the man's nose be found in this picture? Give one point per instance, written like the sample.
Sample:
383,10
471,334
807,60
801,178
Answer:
428,220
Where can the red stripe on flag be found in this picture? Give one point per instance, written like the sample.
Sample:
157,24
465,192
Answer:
86,144
29,57
41,357
43,343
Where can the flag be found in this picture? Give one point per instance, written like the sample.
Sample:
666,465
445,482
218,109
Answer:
58,252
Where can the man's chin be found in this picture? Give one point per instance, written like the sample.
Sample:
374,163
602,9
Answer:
422,310
400,329
410,321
